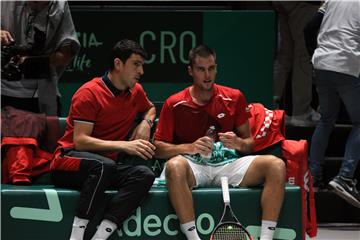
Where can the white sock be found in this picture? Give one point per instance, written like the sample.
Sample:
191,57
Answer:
267,230
189,229
105,229
78,228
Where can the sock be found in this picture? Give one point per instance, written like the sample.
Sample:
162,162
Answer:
267,230
105,229
78,228
189,229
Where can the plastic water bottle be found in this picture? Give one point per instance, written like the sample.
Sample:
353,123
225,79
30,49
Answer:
211,133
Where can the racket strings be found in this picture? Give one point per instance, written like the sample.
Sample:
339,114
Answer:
230,232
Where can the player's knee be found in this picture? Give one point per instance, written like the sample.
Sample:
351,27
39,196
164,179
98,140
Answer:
96,167
175,169
108,169
277,168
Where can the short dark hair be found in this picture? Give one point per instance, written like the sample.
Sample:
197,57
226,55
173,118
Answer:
201,51
123,50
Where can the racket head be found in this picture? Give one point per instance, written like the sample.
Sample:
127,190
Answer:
230,230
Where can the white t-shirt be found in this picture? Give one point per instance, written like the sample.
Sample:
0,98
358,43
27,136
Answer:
339,38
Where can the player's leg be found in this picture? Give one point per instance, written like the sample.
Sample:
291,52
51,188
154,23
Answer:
270,171
132,184
180,180
91,174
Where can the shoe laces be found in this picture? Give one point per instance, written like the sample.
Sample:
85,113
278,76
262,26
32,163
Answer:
354,182
351,182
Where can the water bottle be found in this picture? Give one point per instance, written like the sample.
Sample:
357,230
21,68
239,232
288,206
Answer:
211,133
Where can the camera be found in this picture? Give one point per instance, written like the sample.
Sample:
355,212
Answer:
25,61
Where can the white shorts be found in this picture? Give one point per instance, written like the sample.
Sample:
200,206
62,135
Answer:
207,176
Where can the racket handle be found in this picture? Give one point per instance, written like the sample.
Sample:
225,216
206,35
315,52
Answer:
225,189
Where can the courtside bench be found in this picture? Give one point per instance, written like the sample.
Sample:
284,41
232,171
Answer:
41,211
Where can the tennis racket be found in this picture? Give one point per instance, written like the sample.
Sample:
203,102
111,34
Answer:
229,230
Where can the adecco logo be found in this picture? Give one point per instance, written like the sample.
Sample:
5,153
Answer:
134,226
152,225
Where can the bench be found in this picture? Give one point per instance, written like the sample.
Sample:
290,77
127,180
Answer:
41,211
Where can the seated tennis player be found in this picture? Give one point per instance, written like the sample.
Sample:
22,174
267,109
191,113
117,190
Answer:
181,138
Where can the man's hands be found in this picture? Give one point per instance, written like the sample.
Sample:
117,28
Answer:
139,147
230,140
6,37
203,146
233,141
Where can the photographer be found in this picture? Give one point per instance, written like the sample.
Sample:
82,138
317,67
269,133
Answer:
38,41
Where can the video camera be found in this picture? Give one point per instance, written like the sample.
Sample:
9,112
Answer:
24,61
